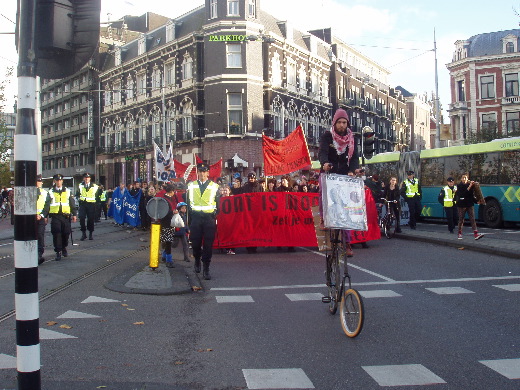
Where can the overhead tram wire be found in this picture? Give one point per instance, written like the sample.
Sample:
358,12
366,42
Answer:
411,58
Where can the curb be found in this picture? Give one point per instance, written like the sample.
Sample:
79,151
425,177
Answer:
460,244
180,279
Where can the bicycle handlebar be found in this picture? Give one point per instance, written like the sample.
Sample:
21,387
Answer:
389,201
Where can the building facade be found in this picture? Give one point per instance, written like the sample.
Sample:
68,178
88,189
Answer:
211,81
69,107
484,77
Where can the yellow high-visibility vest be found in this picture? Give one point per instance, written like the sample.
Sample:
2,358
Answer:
88,196
448,196
103,196
40,203
205,202
412,189
60,199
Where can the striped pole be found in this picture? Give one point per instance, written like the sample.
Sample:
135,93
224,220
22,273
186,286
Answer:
25,197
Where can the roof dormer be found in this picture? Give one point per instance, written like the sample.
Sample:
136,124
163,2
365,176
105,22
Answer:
510,44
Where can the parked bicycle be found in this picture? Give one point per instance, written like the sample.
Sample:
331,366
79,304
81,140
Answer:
388,222
349,300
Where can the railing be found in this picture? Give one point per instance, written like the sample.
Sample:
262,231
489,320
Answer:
511,100
235,130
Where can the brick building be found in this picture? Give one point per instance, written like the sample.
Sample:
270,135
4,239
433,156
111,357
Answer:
484,77
212,80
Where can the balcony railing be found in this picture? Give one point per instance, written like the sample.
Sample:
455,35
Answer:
236,130
511,100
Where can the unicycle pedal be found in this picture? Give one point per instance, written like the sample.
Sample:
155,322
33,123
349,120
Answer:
326,299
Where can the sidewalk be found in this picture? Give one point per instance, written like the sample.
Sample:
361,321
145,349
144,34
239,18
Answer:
437,234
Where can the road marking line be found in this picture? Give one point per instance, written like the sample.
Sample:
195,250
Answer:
355,266
369,283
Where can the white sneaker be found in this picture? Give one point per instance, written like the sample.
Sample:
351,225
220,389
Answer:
231,252
478,236
460,236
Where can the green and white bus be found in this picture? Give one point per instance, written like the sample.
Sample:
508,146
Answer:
495,165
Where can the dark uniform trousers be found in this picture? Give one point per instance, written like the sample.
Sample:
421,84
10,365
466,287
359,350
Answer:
41,236
60,229
203,227
87,210
452,214
414,205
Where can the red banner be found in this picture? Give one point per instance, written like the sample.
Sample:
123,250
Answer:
287,155
198,160
278,219
266,219
373,232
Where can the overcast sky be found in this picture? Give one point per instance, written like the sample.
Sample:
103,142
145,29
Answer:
396,34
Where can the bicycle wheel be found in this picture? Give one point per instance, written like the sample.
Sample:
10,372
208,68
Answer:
390,226
352,314
333,274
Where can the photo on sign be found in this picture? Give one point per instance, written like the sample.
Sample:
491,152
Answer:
343,199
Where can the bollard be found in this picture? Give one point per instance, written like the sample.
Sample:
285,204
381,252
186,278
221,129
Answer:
155,243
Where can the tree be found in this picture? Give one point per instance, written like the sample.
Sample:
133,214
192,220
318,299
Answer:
6,140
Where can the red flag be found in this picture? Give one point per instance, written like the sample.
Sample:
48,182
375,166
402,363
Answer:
180,170
198,160
287,155
373,232
215,170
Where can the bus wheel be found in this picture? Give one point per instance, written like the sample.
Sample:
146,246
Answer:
493,214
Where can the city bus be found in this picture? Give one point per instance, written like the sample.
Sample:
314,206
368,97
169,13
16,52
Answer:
495,165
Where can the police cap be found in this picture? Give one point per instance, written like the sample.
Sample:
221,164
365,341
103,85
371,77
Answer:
202,167
86,174
410,173
58,176
39,178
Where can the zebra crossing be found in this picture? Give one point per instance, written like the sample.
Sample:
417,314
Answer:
296,378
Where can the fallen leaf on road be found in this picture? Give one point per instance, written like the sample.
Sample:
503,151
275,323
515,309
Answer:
179,363
64,326
50,323
139,323
196,288
129,308
124,304
461,248
205,350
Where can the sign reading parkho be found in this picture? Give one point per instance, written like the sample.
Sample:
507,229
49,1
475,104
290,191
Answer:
266,219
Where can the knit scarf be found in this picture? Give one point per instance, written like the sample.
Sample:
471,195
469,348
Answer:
342,142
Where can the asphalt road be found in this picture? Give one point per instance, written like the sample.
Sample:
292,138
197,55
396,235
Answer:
436,318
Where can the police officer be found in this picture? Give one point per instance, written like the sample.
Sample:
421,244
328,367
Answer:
42,211
447,199
202,199
62,208
102,203
88,197
411,192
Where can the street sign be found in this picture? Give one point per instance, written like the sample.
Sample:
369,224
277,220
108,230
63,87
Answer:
157,208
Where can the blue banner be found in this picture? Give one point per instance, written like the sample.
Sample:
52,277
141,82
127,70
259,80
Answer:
125,207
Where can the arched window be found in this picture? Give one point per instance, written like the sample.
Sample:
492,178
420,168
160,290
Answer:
277,109
118,133
187,119
292,117
156,123
171,123
510,47
142,124
304,114
129,130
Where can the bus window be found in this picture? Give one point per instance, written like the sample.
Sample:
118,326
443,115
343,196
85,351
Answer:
432,172
510,170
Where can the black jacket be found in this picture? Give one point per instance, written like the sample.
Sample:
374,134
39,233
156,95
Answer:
340,163
463,196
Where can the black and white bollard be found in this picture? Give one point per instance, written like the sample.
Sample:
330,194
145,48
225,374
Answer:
25,197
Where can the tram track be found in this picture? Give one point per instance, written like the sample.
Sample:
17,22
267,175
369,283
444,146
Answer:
76,280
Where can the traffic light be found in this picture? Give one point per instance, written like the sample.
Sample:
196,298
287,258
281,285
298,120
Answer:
66,35
368,142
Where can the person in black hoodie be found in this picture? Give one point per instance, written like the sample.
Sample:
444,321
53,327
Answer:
465,198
